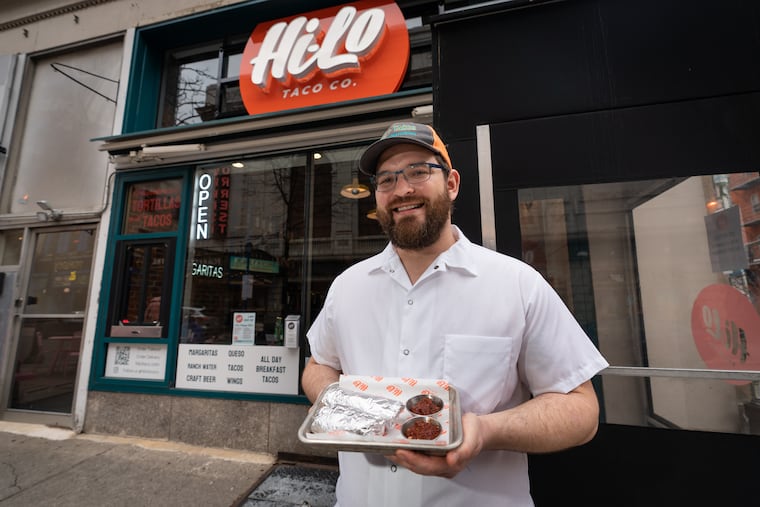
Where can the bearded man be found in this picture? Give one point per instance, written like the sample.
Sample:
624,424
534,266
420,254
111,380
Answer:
434,305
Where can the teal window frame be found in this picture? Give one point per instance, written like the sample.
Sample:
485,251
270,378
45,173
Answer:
177,238
180,238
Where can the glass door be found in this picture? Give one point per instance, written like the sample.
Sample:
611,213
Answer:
51,316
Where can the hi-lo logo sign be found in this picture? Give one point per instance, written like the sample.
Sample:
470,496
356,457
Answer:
341,53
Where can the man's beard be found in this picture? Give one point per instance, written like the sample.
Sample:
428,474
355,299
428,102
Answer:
408,233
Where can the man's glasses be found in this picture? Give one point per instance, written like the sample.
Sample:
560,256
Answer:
413,174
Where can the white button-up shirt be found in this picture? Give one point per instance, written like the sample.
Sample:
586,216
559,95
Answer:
487,323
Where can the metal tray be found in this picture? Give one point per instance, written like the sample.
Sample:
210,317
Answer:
388,444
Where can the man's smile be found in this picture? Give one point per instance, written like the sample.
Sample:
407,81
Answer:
407,207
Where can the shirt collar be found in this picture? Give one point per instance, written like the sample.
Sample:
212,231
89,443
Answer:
458,257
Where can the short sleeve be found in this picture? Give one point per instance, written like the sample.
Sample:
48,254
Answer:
321,334
557,355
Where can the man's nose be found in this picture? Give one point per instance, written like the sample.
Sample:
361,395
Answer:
403,187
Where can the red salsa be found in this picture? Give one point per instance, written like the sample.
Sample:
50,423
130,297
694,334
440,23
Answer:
423,430
425,406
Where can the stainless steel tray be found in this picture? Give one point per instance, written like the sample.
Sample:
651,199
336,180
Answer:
389,443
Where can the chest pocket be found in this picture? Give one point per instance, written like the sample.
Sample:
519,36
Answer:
482,368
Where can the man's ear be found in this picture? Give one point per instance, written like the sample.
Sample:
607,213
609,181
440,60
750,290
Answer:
452,184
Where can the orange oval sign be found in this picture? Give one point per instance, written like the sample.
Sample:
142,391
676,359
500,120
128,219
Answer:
725,327
340,53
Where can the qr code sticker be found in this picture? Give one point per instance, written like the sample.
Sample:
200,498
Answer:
122,355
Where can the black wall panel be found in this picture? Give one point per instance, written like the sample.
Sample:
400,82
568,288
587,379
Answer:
588,55
521,64
685,138
466,215
627,466
585,91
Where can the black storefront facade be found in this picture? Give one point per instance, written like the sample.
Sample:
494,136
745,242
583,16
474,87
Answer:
610,144
561,99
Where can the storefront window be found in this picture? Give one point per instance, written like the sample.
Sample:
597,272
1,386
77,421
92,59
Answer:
420,70
663,274
247,223
81,86
10,246
267,237
140,301
144,259
138,321
201,83
152,207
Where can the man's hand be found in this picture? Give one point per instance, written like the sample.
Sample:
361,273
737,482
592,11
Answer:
453,462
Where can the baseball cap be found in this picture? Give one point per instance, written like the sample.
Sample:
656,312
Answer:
403,132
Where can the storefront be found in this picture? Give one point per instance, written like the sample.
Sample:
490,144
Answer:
236,203
621,166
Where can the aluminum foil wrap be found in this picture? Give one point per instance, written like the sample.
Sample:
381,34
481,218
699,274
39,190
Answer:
378,406
339,418
358,413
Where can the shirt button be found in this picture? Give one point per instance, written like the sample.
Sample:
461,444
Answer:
406,352
393,468
410,302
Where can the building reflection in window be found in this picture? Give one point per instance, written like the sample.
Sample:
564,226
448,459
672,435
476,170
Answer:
661,273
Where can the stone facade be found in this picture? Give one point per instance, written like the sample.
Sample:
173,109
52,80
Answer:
264,427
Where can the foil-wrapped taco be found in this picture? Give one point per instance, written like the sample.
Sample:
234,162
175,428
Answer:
378,406
359,413
339,418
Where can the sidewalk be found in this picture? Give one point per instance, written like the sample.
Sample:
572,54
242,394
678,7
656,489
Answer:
45,466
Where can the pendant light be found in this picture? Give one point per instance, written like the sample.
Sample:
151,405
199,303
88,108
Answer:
355,190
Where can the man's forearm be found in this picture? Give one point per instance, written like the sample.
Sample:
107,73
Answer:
547,423
316,377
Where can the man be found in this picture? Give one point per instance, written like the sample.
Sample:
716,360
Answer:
434,305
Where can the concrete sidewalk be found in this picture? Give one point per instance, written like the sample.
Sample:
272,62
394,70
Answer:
45,466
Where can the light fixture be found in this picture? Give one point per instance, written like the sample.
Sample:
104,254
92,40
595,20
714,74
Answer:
317,155
355,190
238,165
172,148
48,213
372,214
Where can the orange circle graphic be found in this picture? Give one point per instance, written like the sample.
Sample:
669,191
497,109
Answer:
725,327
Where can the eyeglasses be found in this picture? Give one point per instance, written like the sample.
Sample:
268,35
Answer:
414,174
